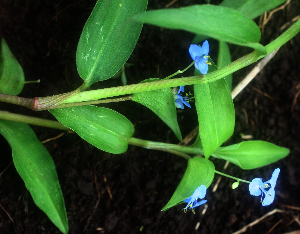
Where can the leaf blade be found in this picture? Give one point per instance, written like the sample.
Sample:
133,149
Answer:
108,38
102,127
217,22
199,171
11,73
162,103
216,115
36,167
252,8
251,154
224,59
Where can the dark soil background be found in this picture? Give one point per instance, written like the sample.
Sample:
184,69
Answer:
106,193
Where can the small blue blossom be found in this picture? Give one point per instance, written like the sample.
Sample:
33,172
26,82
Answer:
200,55
192,201
266,189
179,100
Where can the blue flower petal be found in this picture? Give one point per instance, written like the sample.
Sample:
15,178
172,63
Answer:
198,204
254,187
201,65
195,51
181,89
205,47
199,55
187,104
274,177
199,193
269,197
187,200
266,189
179,102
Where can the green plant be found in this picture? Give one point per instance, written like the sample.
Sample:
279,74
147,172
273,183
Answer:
106,42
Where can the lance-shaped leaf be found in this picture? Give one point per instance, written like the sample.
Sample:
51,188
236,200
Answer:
215,110
224,59
251,154
217,22
102,127
249,8
200,171
11,73
36,167
108,39
162,103
252,8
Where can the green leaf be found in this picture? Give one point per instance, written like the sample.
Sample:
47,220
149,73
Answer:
197,143
104,128
217,22
162,103
108,39
199,171
252,8
11,73
215,114
251,154
36,167
243,6
223,60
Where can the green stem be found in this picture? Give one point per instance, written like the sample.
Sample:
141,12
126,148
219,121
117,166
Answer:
79,95
181,151
174,149
213,76
121,99
179,71
32,81
165,147
148,86
32,120
283,38
232,177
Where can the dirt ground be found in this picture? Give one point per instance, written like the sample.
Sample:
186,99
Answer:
106,193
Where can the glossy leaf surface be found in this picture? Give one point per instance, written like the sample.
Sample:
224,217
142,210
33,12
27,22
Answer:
252,8
251,154
224,59
162,103
102,127
199,171
11,73
108,39
36,167
221,23
216,114
249,8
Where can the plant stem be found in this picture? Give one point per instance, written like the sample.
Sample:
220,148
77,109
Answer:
179,150
109,100
32,120
232,177
213,76
179,71
165,147
78,96
148,86
26,102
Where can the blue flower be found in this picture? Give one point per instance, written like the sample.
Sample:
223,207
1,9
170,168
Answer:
179,100
266,189
200,55
192,201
